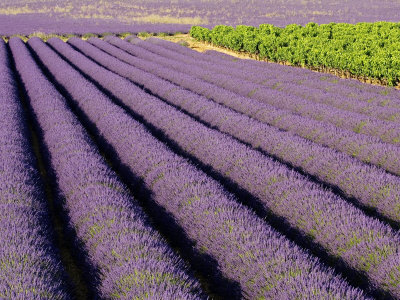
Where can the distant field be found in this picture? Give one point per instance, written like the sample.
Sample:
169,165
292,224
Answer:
25,17
167,173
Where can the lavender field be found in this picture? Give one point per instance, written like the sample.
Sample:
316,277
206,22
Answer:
142,169
83,16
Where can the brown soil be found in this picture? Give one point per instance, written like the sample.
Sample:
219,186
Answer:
202,47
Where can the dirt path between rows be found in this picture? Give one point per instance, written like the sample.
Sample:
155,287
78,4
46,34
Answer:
202,47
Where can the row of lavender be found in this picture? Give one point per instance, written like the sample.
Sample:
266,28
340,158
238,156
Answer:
278,12
363,243
246,249
28,259
29,23
352,176
324,85
246,82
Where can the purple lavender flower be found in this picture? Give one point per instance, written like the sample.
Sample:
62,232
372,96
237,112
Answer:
30,265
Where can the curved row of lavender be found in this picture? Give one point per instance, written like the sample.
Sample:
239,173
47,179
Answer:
275,74
364,243
30,265
322,85
364,148
277,12
130,256
28,23
245,248
354,178
228,78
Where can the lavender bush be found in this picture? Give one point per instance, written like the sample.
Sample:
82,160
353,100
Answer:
245,248
30,264
364,243
132,259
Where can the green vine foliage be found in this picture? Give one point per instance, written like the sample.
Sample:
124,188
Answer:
364,49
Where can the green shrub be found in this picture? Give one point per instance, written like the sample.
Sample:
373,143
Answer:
367,49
